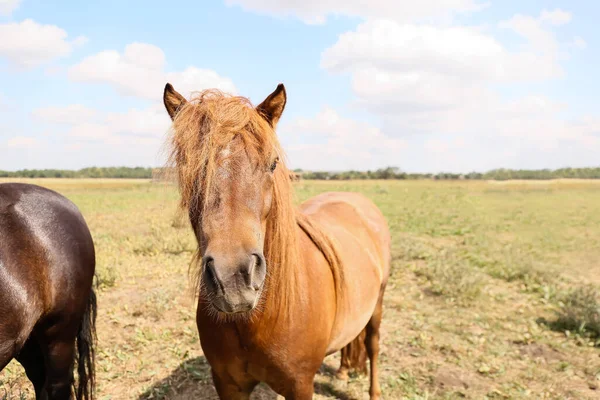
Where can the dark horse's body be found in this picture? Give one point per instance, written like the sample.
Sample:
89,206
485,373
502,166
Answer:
47,304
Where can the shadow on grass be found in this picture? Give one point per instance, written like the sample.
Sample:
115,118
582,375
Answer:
329,390
193,380
578,312
563,324
555,325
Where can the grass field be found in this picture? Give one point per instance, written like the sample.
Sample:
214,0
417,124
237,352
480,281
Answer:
493,292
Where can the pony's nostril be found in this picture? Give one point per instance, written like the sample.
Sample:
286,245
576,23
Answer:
211,274
258,272
260,260
252,270
257,261
248,270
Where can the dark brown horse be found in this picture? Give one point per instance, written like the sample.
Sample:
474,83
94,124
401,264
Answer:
47,304
280,287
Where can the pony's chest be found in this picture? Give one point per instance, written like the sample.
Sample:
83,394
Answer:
265,356
257,371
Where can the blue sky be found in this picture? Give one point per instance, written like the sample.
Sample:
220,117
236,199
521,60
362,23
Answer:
468,85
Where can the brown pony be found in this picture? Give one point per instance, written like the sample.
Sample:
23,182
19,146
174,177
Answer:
47,303
280,288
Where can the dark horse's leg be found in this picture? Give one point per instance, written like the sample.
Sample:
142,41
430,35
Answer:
57,344
59,366
49,360
32,359
372,344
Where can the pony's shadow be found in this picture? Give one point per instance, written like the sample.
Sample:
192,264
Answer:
192,380
327,388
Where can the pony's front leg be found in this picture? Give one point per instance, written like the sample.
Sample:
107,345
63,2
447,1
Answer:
301,389
228,389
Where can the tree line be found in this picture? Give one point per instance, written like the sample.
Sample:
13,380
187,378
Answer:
92,172
496,174
383,173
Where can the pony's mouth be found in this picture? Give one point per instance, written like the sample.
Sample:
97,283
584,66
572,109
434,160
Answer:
236,305
223,306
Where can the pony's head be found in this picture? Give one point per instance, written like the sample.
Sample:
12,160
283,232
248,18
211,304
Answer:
236,190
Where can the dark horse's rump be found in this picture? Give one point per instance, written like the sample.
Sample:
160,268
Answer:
47,304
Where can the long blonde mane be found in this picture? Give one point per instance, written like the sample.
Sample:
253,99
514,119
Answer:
202,128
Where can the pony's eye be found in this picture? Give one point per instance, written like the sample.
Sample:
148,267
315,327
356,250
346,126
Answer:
274,165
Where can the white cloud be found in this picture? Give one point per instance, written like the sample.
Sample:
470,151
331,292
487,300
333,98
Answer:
23,142
91,130
540,38
194,79
317,11
532,106
431,79
139,72
8,6
90,137
434,86
80,41
426,78
556,16
132,73
86,124
329,141
388,49
151,121
579,43
28,44
72,114
131,138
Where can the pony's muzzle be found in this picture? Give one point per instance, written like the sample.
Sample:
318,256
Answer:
234,287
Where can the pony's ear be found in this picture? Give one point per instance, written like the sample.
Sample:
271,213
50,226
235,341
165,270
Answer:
172,100
272,107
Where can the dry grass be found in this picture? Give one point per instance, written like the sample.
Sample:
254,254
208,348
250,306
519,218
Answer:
494,292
